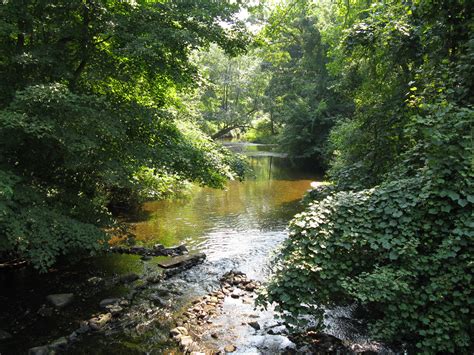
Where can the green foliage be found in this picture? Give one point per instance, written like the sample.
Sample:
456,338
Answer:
299,96
86,119
394,232
231,90
403,249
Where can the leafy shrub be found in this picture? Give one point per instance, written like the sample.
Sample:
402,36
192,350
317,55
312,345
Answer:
403,249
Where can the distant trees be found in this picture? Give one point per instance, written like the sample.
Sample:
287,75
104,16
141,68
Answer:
84,107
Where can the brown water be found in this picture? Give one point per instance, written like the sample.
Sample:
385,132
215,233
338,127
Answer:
240,224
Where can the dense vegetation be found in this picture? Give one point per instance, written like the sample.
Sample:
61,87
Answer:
87,115
105,102
394,232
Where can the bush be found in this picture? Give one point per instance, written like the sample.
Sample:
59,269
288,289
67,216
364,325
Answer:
403,249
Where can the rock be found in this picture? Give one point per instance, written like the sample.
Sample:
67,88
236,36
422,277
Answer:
158,248
185,341
250,287
108,301
178,330
230,348
154,278
254,325
60,300
99,322
137,250
73,337
39,350
83,328
114,309
95,280
58,344
180,261
45,311
4,335
156,299
214,335
234,295
127,278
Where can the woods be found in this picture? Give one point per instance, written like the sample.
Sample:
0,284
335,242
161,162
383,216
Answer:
106,104
85,95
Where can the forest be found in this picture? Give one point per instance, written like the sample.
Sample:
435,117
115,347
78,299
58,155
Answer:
109,105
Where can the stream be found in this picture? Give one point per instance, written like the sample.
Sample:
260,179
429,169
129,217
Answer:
238,228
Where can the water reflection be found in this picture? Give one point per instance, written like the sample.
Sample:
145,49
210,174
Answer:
246,219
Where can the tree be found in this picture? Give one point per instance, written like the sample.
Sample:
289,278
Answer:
231,92
84,107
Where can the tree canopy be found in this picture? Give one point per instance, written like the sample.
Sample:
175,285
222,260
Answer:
85,101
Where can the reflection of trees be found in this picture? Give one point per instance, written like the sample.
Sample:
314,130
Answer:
266,201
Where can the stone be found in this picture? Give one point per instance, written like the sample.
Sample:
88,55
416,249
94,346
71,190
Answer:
234,295
230,348
180,261
127,278
4,335
99,322
157,300
108,302
60,300
58,344
72,337
83,328
39,350
214,335
250,287
178,330
185,341
254,325
114,309
137,250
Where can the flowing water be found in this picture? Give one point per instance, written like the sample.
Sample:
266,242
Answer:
238,227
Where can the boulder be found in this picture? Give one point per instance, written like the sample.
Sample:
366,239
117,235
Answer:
60,300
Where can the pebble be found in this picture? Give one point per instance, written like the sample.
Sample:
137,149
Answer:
230,348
